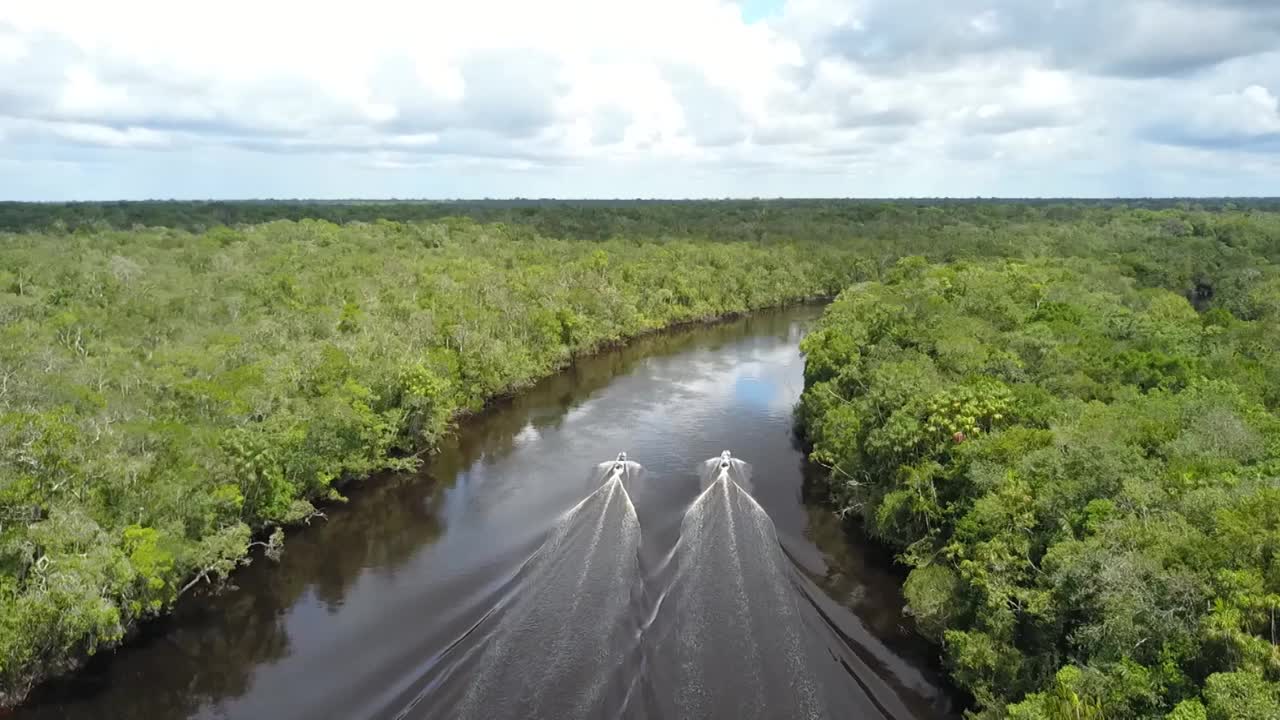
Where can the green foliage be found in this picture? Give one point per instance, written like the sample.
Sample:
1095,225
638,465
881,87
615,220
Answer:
1082,473
1241,696
153,564
1188,710
1072,696
933,594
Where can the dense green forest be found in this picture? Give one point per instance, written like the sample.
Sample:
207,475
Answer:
1062,414
596,219
1078,465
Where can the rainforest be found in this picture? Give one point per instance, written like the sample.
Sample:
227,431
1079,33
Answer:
1059,418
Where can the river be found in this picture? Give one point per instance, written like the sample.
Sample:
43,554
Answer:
516,576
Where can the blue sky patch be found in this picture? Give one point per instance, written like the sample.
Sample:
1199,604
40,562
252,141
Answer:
757,10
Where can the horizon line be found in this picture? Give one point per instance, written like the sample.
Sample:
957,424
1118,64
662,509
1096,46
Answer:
744,198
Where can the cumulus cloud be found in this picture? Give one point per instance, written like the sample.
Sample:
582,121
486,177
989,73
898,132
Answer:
665,97
1139,38
1245,120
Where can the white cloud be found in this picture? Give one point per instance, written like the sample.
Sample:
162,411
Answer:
88,134
1261,110
604,97
12,48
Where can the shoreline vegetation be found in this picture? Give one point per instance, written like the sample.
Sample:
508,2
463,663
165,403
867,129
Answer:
1079,471
168,395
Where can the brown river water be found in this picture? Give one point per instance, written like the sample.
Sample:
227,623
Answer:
518,576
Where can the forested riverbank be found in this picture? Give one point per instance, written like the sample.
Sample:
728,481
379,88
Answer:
166,395
169,395
1080,469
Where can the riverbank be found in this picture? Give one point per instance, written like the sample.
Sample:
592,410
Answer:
183,392
1079,472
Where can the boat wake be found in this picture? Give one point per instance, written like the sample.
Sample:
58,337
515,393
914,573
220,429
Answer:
582,630
559,643
728,636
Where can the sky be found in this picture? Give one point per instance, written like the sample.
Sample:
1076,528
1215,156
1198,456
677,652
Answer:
135,99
